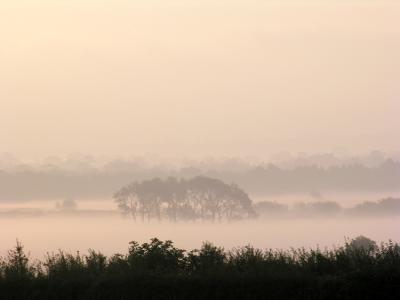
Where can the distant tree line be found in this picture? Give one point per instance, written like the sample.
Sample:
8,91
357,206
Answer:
184,199
55,183
384,207
313,180
158,270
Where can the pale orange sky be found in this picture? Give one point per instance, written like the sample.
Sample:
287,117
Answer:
198,78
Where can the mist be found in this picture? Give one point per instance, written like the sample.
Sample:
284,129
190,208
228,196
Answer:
244,122
79,198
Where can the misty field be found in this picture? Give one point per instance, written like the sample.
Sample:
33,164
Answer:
109,233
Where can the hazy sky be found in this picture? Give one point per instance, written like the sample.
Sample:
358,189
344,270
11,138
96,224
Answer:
197,78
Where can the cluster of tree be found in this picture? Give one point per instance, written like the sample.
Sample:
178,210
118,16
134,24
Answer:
189,199
388,206
158,270
58,183
384,207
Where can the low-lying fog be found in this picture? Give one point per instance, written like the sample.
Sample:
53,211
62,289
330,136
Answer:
111,234
44,227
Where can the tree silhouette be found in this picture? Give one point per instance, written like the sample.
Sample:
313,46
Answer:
197,198
17,266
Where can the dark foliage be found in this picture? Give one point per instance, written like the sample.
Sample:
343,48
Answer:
159,270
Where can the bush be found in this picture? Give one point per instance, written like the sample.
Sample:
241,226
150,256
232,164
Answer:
158,270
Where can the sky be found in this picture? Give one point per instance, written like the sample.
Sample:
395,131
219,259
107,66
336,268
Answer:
198,78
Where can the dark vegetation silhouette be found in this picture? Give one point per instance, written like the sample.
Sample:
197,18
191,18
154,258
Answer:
198,198
158,270
53,182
